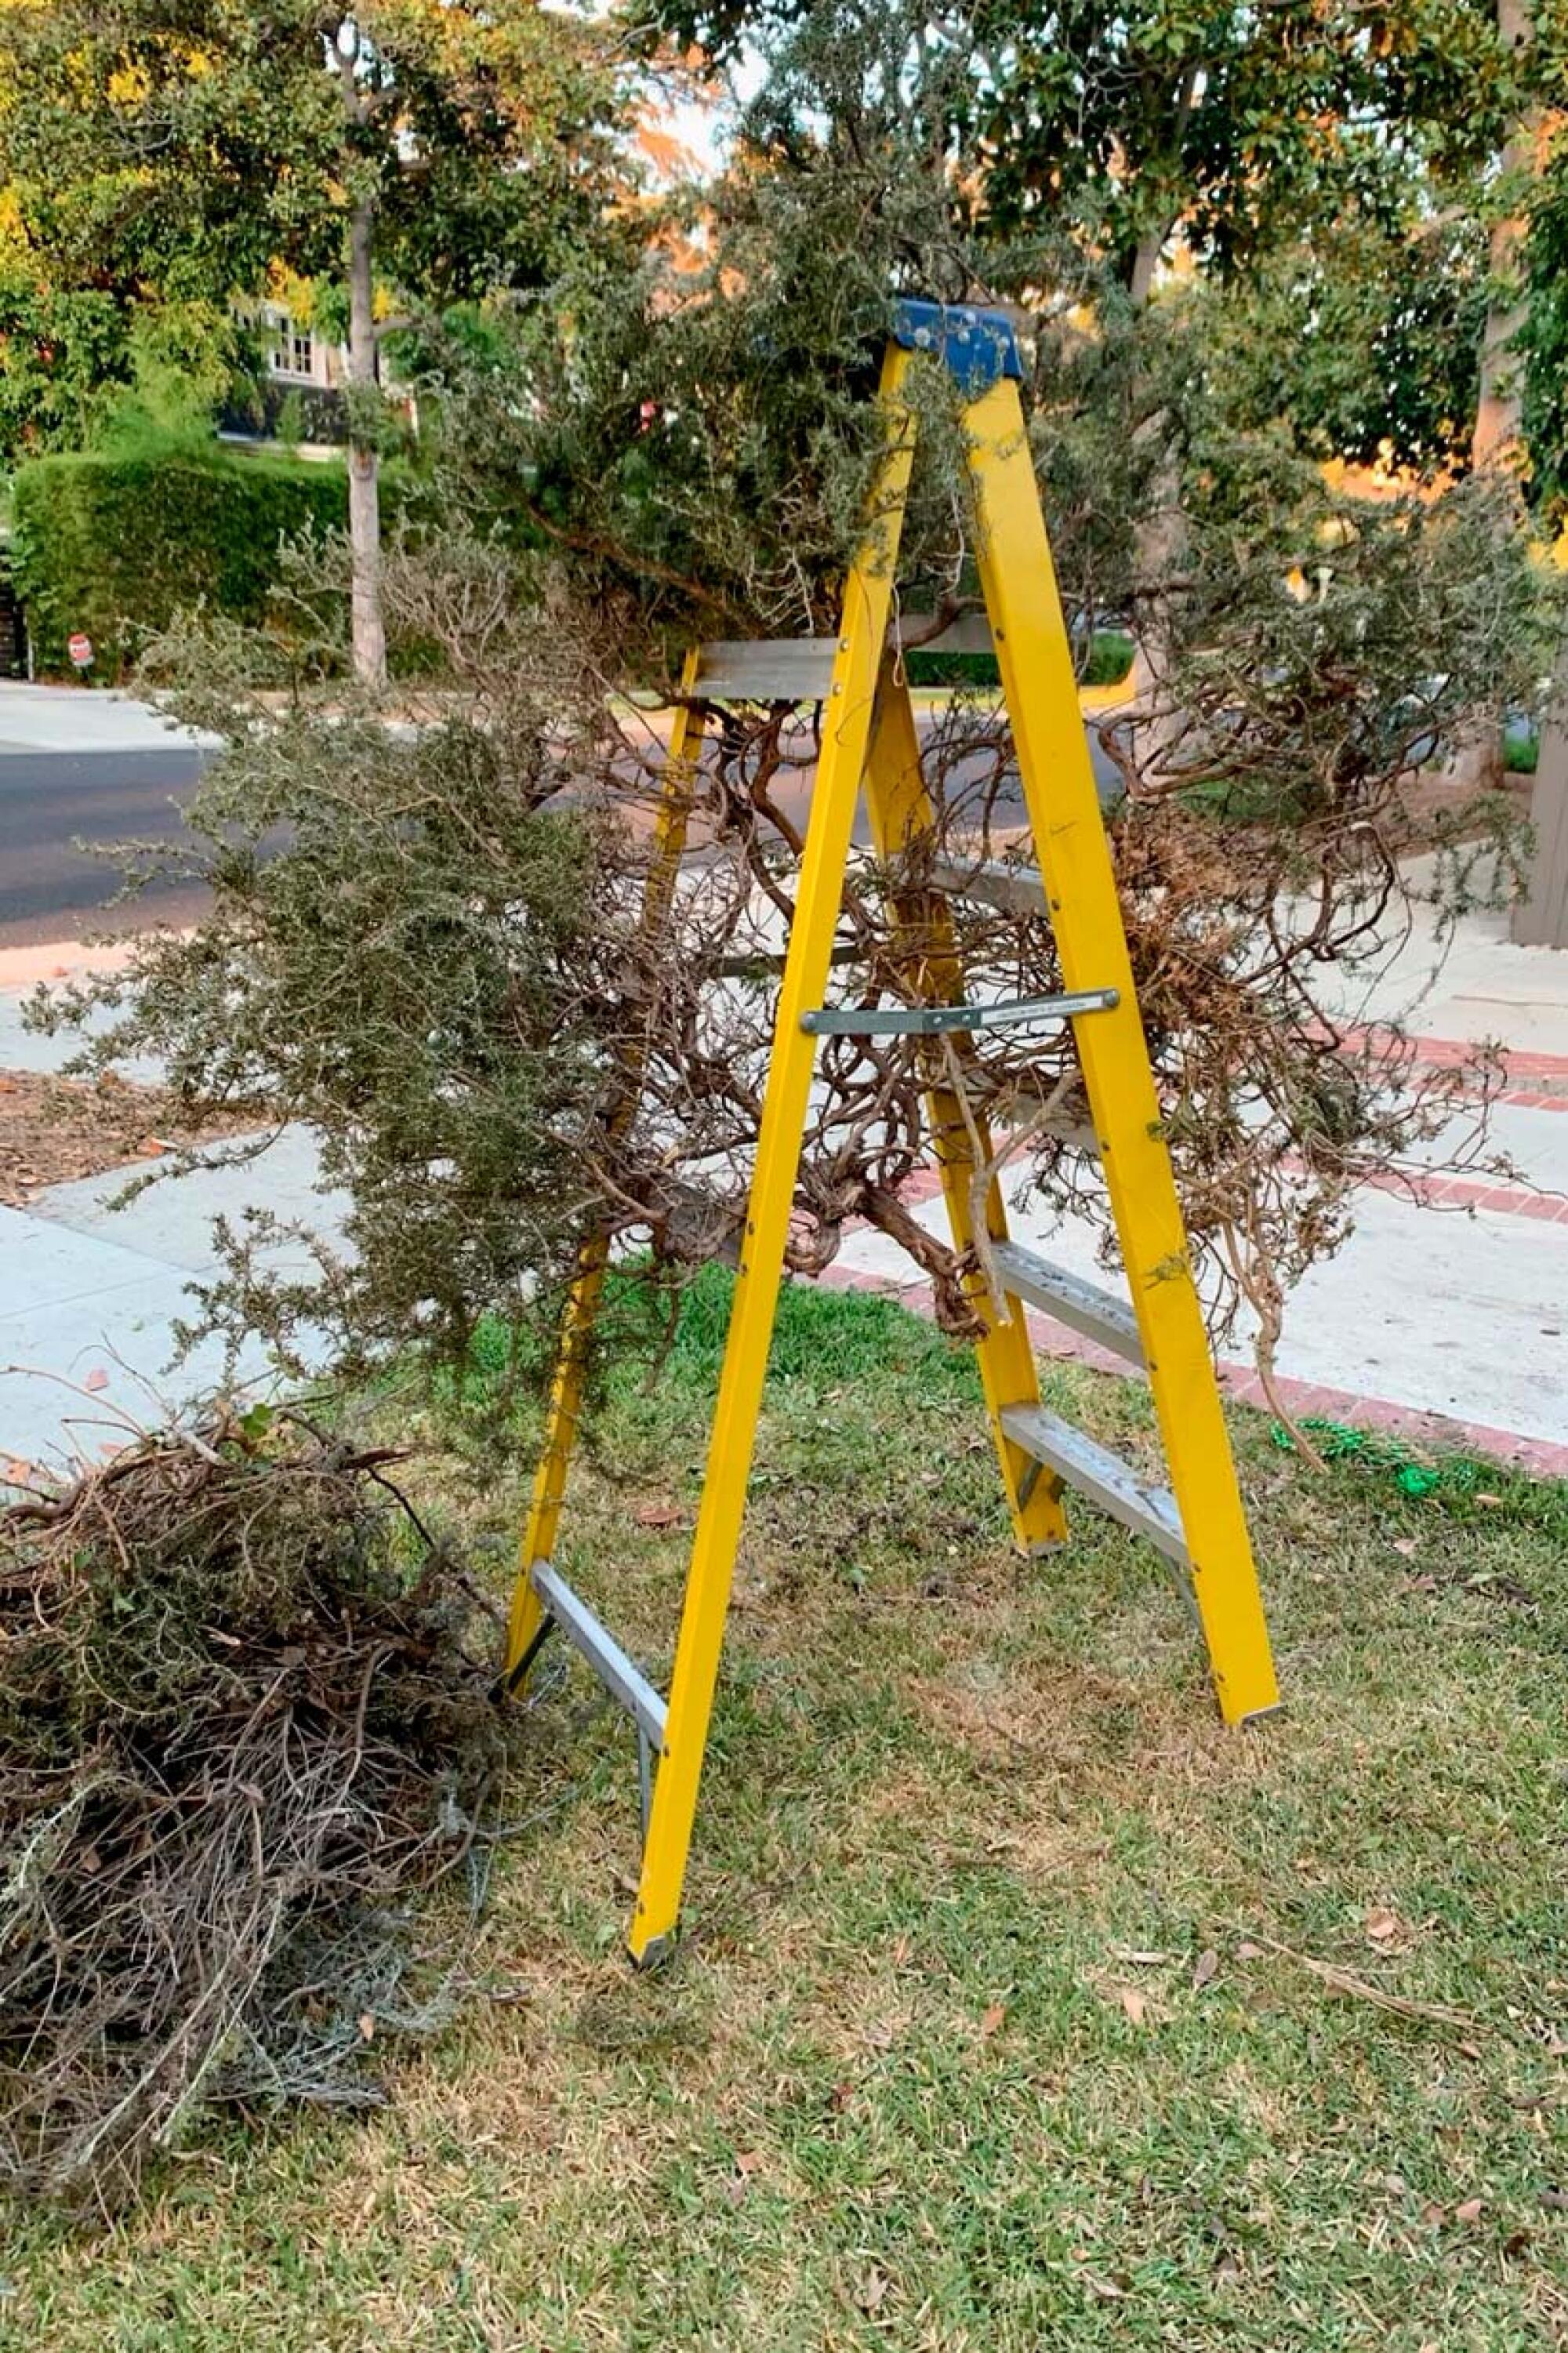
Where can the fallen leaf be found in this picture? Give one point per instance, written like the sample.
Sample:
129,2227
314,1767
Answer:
1408,1545
991,2019
366,2026
97,1379
840,2097
1514,2245
1135,2003
872,2292
749,2161
657,1515
1434,2213
1382,1924
1470,2212
1483,1495
1206,1969
1247,1951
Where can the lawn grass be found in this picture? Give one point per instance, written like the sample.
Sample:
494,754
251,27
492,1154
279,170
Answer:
994,2026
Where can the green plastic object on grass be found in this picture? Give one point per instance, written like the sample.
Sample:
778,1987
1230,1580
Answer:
1338,1442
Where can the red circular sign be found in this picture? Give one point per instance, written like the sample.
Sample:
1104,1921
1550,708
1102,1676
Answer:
80,648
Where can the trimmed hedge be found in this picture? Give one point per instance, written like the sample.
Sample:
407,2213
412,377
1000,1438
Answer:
117,545
1110,660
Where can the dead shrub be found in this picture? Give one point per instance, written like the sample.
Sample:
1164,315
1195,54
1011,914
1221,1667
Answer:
242,1721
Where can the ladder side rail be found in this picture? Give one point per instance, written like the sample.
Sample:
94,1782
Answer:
848,716
564,1411
1030,635
902,816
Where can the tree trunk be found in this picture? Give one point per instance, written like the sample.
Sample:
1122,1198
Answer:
1541,918
1150,731
1498,406
365,484
1145,261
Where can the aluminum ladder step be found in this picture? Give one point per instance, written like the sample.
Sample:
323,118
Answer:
765,669
620,1674
1106,1478
1011,890
800,669
1098,1314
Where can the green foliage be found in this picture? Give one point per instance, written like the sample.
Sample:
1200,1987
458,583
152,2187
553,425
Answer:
290,428
186,362
1546,344
1520,748
411,950
1364,338
82,369
166,152
118,543
1098,129
1104,662
59,350
159,157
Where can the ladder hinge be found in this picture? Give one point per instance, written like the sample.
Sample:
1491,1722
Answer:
978,346
931,1020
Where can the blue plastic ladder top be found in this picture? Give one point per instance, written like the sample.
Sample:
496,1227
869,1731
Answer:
978,346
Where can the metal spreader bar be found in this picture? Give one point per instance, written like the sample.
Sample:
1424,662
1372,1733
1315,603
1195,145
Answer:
935,1020
869,738
588,1635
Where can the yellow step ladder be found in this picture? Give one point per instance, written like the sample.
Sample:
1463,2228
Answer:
868,734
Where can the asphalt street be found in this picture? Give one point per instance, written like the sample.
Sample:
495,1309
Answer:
51,802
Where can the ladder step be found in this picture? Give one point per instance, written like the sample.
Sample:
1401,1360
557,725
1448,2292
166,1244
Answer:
1011,890
621,1676
765,669
1098,1314
929,1021
1108,1480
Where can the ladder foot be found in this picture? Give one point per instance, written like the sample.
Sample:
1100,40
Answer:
654,1954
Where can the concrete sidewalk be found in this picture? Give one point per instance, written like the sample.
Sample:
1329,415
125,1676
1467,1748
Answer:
1445,1313
85,719
89,1296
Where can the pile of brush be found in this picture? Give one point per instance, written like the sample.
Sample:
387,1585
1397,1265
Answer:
246,1713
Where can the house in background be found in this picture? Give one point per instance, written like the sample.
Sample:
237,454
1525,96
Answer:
297,400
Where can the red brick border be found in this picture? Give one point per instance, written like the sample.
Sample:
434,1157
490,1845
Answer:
1535,1082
